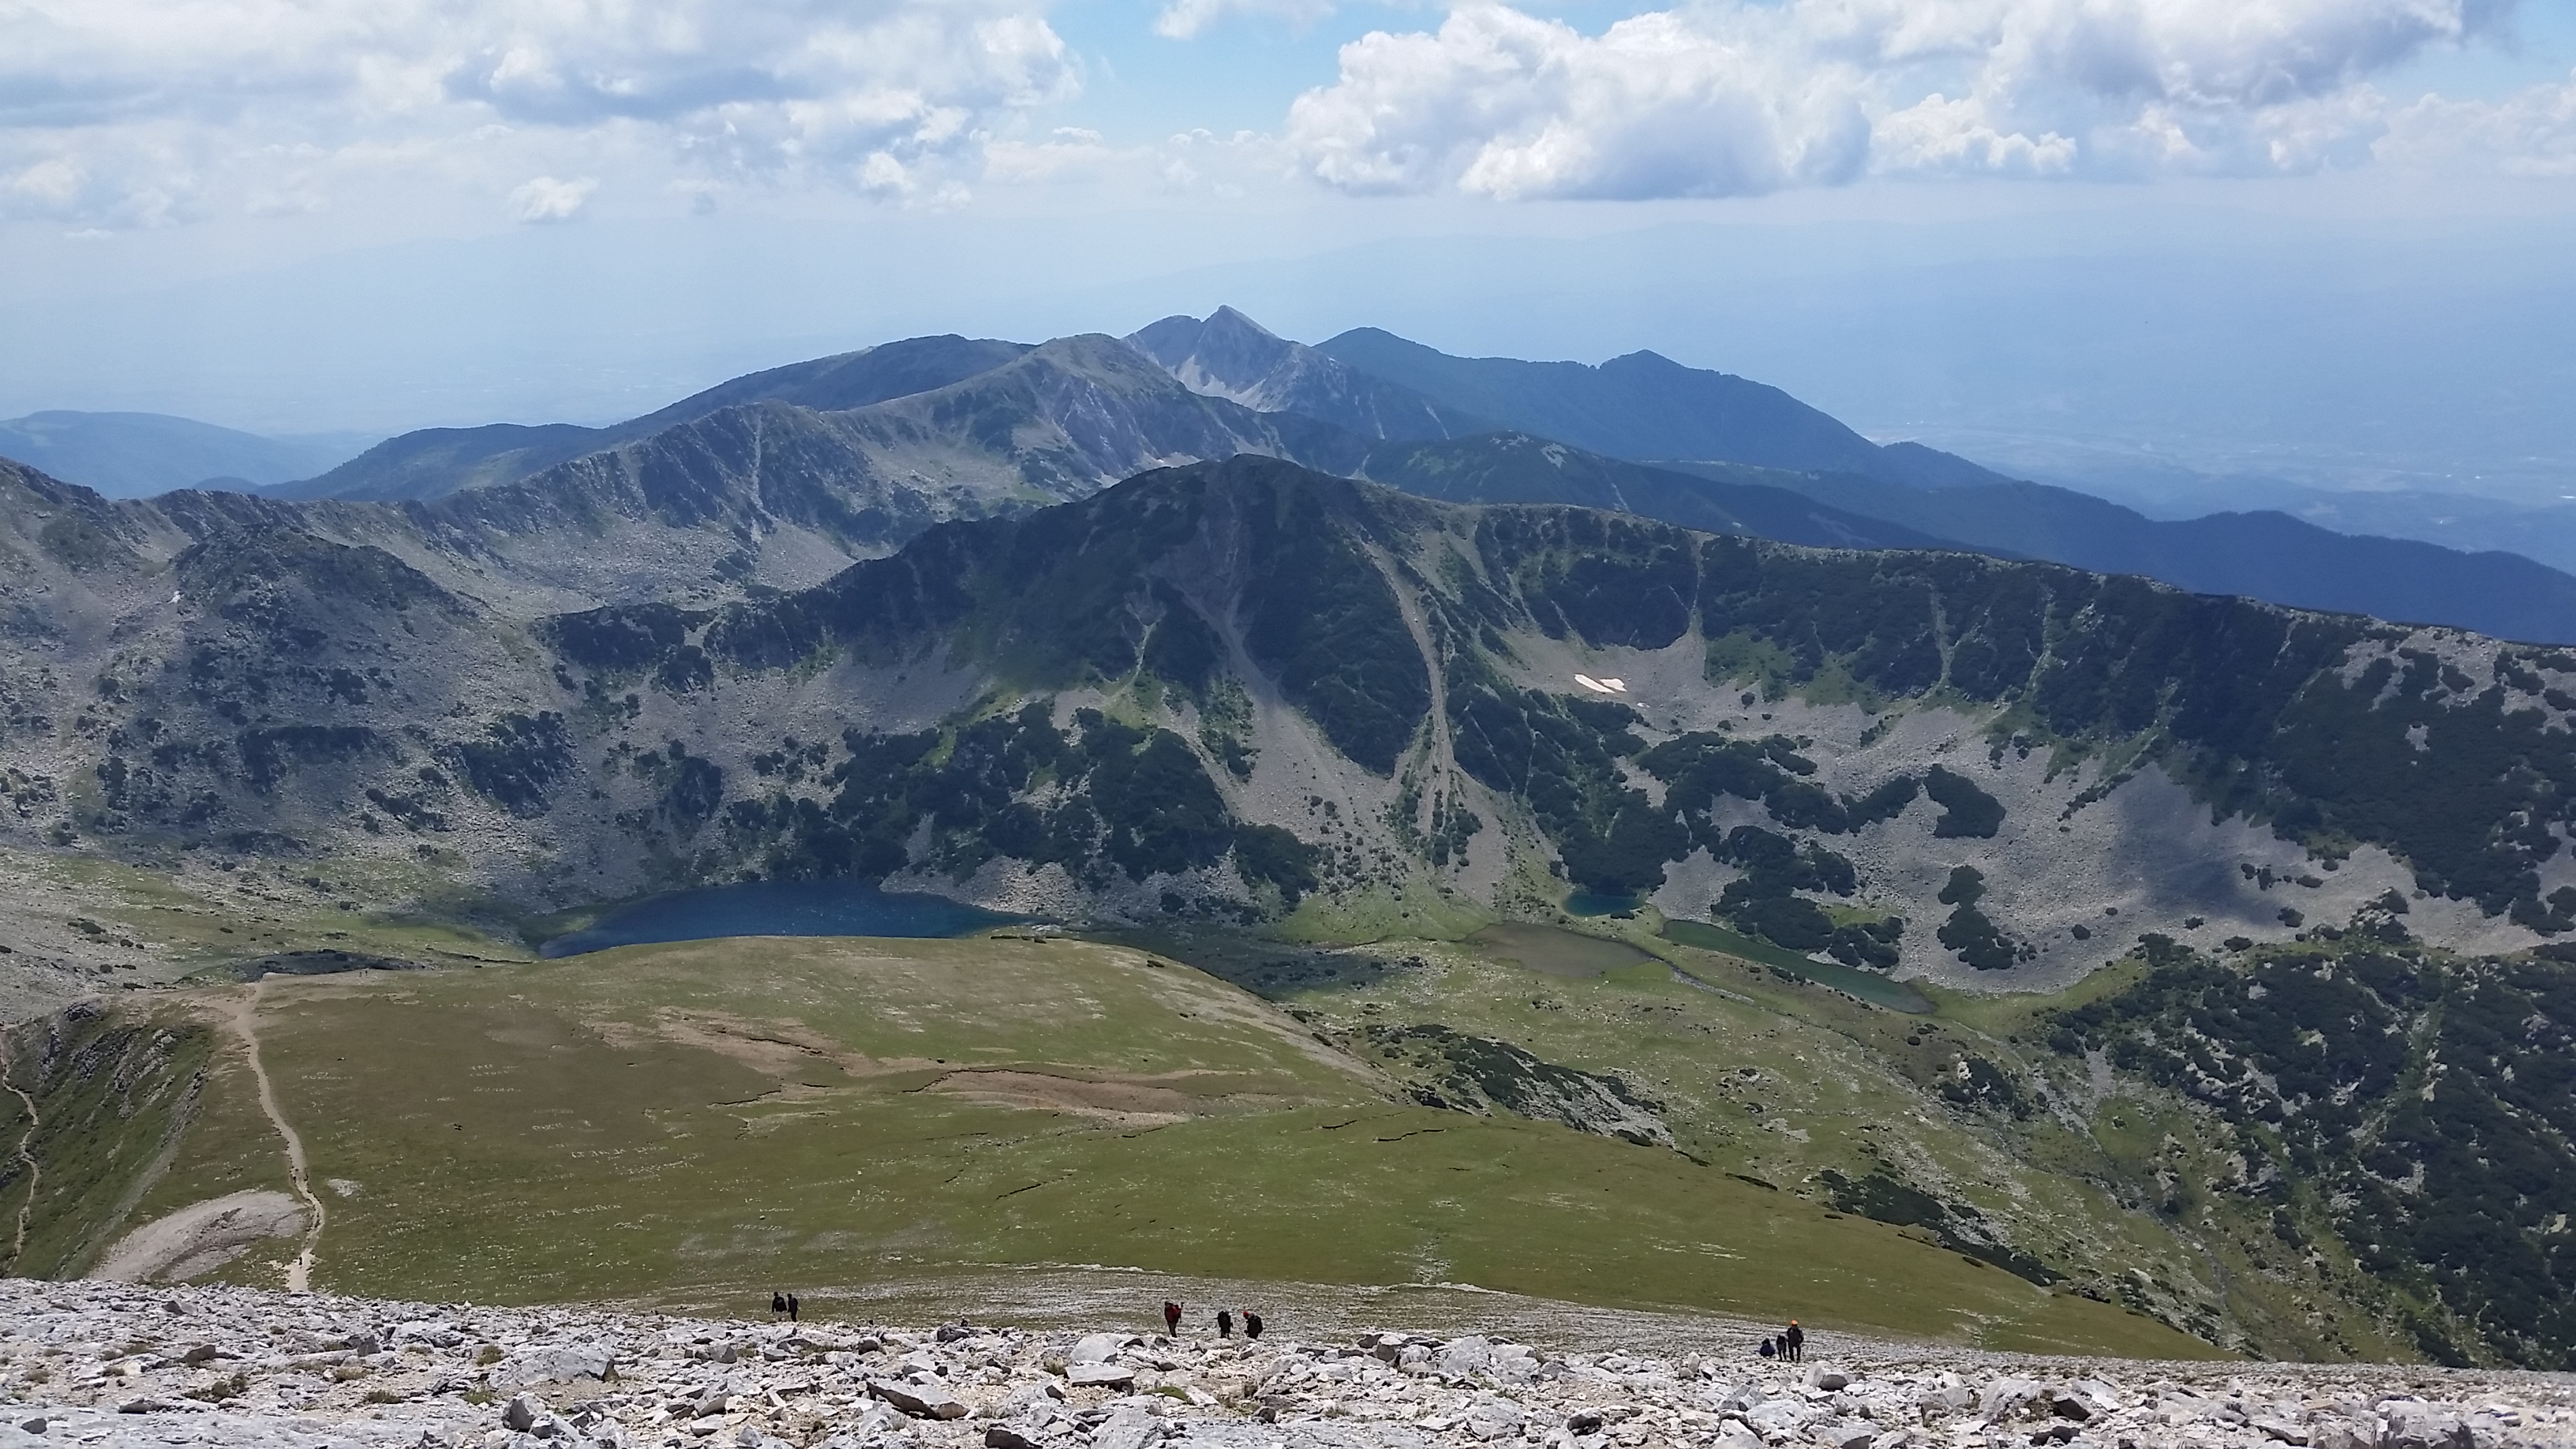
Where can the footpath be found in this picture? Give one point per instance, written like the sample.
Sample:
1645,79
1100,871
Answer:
93,1363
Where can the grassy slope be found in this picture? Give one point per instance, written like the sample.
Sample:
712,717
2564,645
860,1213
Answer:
749,1112
1782,1081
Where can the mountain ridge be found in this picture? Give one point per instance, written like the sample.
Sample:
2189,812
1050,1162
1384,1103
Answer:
2263,554
865,457
1639,406
433,462
1258,611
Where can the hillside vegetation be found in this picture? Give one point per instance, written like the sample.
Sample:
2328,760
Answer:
683,1119
1244,690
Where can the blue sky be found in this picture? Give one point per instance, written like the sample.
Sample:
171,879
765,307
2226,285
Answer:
2322,228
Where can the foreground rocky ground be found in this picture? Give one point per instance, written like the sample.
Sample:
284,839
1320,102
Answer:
108,1364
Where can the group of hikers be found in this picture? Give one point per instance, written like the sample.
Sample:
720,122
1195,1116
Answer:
1789,1347
1224,1321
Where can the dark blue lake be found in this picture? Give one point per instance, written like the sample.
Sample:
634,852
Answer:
776,908
1593,903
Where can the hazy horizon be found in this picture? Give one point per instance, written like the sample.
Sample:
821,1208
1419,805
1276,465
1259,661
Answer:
2323,241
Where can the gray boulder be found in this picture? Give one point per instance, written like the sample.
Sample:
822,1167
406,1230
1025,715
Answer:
1462,1357
1738,1400
1782,1416
2414,1424
1099,1375
1953,1399
1492,1418
1843,1433
2101,1393
2002,1398
921,1401
553,1364
1129,1428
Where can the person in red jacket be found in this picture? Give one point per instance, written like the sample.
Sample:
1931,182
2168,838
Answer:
1171,1319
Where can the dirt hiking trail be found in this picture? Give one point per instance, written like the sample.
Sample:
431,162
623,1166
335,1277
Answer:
245,1022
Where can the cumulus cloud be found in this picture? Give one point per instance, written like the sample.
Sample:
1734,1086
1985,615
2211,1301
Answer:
2531,133
1734,97
131,111
543,198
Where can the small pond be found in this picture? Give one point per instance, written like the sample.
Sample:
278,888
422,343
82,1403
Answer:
776,908
1869,986
1593,903
1554,950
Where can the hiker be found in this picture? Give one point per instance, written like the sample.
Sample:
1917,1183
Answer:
777,1306
1251,1324
1171,1319
1796,1342
792,1307
1766,1349
1225,1323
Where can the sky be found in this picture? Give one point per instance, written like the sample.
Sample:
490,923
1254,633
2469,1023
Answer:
2331,235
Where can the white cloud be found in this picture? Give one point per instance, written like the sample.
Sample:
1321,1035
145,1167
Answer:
1733,97
2532,133
1182,19
543,198
215,104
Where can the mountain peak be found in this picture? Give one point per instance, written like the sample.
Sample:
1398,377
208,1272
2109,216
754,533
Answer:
1231,320
1644,358
1231,356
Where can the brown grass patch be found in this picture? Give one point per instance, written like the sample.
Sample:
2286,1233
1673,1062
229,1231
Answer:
1126,1103
778,1047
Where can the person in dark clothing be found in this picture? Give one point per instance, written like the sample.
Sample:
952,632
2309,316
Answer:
1796,1340
1171,1319
1224,1323
792,1307
1766,1349
1251,1324
777,1305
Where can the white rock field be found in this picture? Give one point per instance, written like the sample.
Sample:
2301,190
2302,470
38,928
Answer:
97,1363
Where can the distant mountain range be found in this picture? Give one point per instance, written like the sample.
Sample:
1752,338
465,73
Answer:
2262,555
1649,409
1646,406
136,455
777,478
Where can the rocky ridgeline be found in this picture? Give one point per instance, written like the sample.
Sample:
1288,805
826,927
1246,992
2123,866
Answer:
97,1363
